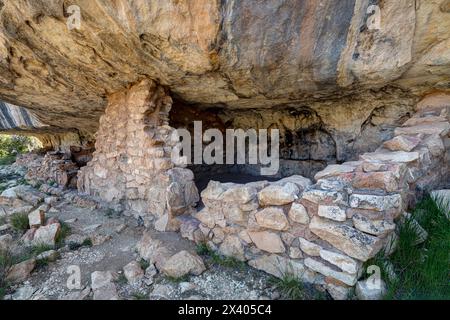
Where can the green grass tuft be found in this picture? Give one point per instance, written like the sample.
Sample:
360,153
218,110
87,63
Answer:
7,160
121,279
40,248
19,222
423,271
216,259
289,286
203,249
144,264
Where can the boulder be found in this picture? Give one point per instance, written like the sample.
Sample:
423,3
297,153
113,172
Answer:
232,247
153,250
377,203
295,253
20,272
36,218
298,214
373,227
301,182
338,292
183,263
103,286
277,194
133,272
309,248
343,262
272,218
47,235
351,241
402,143
279,266
6,241
101,278
267,241
328,197
332,212
334,170
396,156
28,237
328,271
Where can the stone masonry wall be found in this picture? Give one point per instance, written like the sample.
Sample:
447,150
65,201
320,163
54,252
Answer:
324,232
132,166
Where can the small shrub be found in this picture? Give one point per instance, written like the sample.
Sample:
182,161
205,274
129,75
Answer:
203,249
422,270
87,243
289,286
228,262
40,248
19,222
144,264
121,279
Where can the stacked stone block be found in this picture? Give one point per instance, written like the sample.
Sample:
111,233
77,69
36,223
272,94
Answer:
132,162
324,232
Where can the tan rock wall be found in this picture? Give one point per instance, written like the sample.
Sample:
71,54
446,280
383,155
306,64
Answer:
132,164
325,231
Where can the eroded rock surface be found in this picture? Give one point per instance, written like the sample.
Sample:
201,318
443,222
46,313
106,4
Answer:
230,54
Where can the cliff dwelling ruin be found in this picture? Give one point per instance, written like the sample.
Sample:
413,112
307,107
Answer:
363,117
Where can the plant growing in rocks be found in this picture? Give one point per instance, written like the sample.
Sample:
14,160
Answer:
419,271
6,260
19,222
217,259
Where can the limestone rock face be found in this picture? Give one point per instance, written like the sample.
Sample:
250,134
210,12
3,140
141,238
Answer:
232,53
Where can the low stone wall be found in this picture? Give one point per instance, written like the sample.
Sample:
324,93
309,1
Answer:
324,232
52,168
132,166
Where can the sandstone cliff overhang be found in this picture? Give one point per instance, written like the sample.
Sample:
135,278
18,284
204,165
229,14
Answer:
231,54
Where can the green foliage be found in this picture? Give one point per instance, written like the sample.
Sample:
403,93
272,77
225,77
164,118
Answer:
121,279
40,248
422,270
12,145
7,160
203,249
75,246
216,259
289,286
144,264
19,222
87,242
